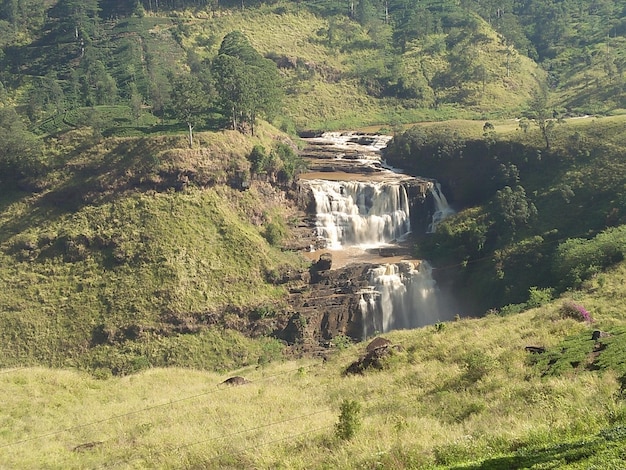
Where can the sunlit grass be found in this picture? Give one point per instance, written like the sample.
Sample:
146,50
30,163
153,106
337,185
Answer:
464,392
135,258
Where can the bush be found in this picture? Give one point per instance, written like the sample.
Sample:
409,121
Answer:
477,365
538,297
341,342
349,420
511,309
274,232
570,309
578,259
20,150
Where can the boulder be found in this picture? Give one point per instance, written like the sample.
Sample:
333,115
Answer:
375,358
237,380
597,334
325,262
378,342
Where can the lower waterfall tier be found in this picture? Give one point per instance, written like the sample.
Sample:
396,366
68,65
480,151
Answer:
401,296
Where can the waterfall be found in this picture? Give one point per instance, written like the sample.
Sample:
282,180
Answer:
362,204
401,296
442,208
360,213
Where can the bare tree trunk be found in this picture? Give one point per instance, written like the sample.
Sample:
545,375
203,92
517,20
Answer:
190,135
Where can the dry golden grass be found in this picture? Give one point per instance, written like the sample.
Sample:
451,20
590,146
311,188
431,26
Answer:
465,391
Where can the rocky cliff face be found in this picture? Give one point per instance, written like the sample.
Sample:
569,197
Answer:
327,307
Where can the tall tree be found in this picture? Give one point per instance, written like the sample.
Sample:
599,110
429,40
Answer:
79,15
513,209
20,150
539,113
189,101
233,87
247,83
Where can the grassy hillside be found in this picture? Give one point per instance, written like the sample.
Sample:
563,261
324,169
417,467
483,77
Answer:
461,395
435,60
123,240
325,79
335,71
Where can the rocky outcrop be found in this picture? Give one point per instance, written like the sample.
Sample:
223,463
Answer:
237,380
328,307
378,351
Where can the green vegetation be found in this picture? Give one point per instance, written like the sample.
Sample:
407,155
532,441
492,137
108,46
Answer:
349,420
143,218
529,214
468,396
130,244
313,65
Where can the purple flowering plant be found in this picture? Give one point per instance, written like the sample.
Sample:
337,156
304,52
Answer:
571,309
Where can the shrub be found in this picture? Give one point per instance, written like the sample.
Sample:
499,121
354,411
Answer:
349,420
511,309
578,259
538,297
570,309
477,365
341,342
274,232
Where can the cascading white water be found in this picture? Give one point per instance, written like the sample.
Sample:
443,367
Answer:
402,296
372,213
360,213
442,208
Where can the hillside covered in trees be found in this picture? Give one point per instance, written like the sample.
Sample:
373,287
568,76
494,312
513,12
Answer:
392,61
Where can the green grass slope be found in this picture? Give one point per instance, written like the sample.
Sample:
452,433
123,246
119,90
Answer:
136,239
328,82
334,70
461,395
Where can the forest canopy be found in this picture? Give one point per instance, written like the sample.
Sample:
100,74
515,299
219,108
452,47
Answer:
57,57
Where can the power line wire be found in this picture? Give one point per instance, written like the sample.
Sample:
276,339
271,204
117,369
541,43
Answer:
244,431
131,413
274,441
290,437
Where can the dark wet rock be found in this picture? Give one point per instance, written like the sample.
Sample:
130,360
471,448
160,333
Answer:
375,359
325,262
597,334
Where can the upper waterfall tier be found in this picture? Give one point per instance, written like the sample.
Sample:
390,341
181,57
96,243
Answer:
349,153
360,201
360,213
